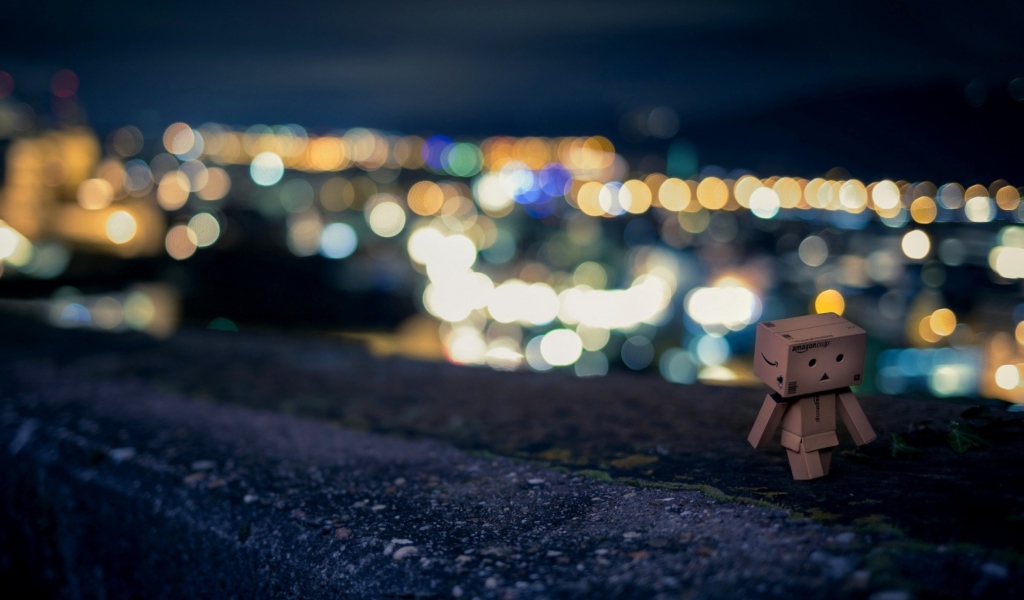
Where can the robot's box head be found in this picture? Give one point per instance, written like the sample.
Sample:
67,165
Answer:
804,355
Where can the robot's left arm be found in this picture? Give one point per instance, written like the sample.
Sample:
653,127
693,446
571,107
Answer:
854,417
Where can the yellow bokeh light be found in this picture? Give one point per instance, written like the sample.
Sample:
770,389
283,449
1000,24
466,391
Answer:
976,191
218,184
811,192
712,193
829,301
180,242
635,196
179,138
674,194
744,187
924,210
654,181
425,198
924,329
121,227
789,192
1008,198
942,322
589,199
916,244
1019,333
94,194
172,193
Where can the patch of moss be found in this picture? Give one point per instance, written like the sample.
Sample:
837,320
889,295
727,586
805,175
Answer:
708,490
877,524
633,460
595,474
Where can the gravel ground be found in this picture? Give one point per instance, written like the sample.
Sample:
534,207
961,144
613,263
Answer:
113,486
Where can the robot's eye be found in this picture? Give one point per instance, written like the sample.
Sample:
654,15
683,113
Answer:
812,362
839,358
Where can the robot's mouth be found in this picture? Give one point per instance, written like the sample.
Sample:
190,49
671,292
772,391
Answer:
824,377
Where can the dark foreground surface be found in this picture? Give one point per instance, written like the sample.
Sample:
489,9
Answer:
219,465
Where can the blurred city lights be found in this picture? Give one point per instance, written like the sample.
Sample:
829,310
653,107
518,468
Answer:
545,252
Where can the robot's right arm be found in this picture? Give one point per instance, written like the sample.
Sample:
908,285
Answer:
767,420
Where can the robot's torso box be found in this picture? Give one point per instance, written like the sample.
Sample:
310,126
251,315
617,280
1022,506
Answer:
809,354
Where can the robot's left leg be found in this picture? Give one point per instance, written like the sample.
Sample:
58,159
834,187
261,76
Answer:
808,464
826,459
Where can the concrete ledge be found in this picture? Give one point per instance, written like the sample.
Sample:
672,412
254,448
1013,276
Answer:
114,487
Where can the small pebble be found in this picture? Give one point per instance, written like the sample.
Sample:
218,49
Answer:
456,592
535,481
405,552
203,465
342,533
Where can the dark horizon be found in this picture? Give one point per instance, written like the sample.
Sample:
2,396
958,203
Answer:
904,90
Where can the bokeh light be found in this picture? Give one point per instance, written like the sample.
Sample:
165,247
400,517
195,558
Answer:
205,229
386,219
561,347
266,169
916,244
180,242
829,301
121,227
338,240
94,194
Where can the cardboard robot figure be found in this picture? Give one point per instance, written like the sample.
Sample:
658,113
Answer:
809,362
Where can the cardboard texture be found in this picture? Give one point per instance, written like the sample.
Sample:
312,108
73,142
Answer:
767,421
790,441
811,414
855,419
820,441
804,355
809,362
805,465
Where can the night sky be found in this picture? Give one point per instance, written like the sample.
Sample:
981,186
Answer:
912,90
